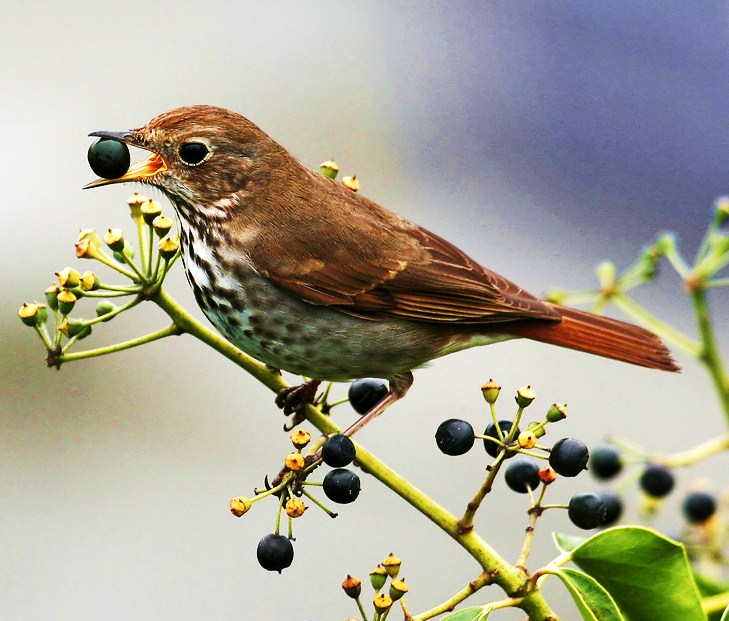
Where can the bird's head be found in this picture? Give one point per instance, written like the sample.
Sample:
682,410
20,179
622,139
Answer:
206,159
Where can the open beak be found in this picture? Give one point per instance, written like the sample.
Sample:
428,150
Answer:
137,172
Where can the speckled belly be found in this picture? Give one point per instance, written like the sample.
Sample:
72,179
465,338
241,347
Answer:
319,342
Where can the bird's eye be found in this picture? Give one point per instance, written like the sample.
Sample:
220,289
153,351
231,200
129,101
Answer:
193,153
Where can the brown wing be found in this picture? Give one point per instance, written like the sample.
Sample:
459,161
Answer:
361,259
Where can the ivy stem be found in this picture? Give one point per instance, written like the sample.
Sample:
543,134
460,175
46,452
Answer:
466,522
709,352
698,453
534,512
481,581
651,322
171,330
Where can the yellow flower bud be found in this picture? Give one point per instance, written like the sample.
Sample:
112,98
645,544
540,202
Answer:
300,438
294,461
295,507
351,183
239,505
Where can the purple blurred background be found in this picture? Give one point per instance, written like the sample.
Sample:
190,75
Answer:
539,137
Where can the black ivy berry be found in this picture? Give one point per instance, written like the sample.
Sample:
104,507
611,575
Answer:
522,475
338,451
275,552
109,158
454,436
569,457
699,507
613,507
605,461
491,447
657,480
587,511
341,485
365,393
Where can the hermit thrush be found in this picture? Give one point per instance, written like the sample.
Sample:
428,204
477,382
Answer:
313,278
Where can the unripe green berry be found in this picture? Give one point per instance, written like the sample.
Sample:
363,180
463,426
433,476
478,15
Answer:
524,396
75,327
490,391
557,412
68,277
398,588
150,210
536,428
329,169
378,577
114,238
89,281
30,314
52,296
104,307
168,247
162,225
392,565
66,301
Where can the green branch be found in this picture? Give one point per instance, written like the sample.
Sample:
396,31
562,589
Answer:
171,330
709,352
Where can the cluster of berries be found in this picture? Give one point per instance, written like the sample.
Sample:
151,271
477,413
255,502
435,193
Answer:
275,551
656,481
114,250
503,439
383,599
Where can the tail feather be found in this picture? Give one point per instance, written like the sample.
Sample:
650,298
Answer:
601,336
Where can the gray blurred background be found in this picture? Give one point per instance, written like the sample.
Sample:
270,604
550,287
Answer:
540,137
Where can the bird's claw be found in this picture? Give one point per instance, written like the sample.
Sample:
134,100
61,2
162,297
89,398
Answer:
292,398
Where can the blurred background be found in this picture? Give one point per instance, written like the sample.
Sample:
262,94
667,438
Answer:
540,137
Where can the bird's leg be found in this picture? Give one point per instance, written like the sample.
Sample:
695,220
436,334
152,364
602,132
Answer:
291,398
399,385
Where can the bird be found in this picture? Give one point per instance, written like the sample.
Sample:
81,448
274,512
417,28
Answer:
310,277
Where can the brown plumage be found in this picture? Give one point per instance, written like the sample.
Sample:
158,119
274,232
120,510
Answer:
308,276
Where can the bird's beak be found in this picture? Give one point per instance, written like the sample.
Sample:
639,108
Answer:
137,172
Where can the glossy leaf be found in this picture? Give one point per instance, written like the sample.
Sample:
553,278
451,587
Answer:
592,600
648,575
566,543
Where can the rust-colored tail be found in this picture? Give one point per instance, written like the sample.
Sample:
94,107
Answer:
601,336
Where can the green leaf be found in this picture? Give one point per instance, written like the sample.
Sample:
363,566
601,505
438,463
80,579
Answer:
566,543
648,575
725,616
709,587
593,601
475,613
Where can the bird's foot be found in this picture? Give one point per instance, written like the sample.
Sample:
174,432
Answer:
292,398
